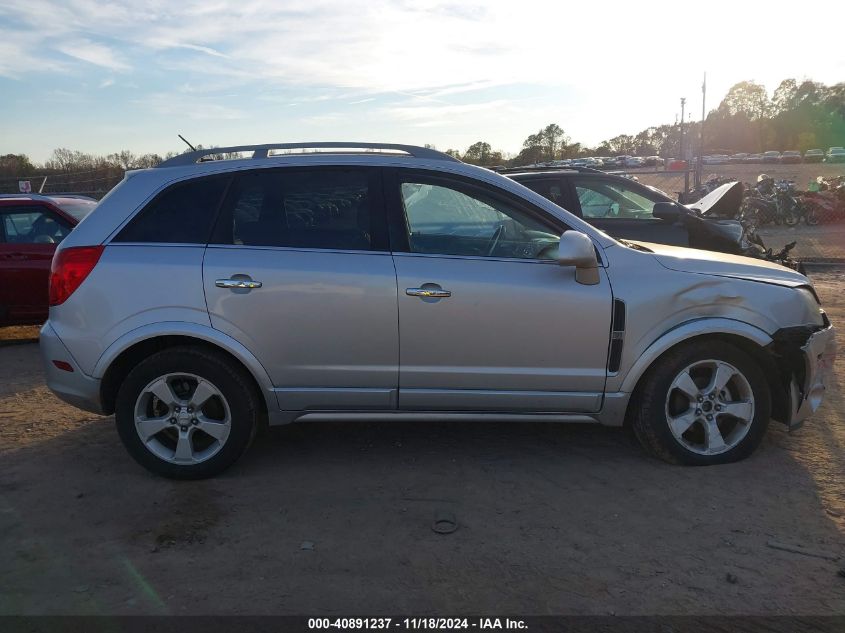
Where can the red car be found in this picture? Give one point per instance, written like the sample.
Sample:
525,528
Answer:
30,229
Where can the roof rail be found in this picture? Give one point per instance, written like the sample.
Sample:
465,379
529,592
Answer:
262,151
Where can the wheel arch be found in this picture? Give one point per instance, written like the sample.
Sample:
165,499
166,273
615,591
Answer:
127,351
747,338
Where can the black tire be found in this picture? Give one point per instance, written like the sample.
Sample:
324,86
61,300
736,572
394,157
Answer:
648,414
811,218
232,381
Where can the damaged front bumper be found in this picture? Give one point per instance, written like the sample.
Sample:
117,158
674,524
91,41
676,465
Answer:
807,356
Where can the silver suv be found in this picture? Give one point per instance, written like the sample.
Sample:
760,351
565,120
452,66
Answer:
355,281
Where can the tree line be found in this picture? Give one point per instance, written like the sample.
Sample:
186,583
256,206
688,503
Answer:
800,115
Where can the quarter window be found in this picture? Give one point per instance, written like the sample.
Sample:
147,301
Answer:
602,199
320,208
445,221
183,214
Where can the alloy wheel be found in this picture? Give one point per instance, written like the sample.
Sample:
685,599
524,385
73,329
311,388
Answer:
710,407
182,418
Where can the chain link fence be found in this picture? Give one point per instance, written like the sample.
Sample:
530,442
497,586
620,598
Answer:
95,183
818,223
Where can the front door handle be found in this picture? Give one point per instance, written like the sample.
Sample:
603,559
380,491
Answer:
246,284
428,293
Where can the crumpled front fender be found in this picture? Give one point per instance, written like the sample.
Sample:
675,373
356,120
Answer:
806,357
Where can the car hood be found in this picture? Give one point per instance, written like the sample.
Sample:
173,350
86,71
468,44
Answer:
690,260
724,201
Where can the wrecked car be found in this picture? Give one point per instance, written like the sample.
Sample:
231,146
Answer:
624,208
204,298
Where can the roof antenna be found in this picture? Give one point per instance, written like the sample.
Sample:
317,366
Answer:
193,149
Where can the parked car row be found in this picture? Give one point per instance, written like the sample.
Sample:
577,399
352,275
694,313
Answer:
833,155
605,162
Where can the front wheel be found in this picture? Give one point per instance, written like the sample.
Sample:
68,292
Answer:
702,403
791,218
187,413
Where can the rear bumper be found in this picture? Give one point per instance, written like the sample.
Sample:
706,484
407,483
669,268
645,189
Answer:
74,387
807,388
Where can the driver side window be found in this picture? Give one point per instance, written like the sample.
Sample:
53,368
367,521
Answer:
611,200
445,221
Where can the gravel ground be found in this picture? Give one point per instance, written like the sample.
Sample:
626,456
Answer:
336,519
802,174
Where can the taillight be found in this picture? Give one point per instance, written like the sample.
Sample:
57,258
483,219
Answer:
69,269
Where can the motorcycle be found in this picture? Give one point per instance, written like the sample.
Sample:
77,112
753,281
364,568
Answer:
771,201
824,198
715,223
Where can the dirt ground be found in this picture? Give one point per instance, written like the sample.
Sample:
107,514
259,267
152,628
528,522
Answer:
336,519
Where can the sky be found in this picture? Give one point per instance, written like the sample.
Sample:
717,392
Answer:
104,76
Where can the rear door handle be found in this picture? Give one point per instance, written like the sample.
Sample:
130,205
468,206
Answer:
247,284
428,293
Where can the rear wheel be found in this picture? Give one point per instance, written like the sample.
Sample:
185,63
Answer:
703,403
186,413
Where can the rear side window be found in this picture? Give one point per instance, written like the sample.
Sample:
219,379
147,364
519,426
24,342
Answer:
327,208
550,188
32,225
183,214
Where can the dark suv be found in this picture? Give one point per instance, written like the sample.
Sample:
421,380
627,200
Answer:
625,209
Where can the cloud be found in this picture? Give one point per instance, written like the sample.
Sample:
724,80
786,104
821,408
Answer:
492,66
439,47
440,112
105,83
93,53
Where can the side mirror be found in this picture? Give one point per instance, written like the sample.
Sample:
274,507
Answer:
576,249
666,211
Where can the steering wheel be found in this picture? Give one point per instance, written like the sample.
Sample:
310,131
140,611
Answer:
494,241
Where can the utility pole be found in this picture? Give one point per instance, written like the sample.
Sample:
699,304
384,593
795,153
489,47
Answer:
700,166
681,145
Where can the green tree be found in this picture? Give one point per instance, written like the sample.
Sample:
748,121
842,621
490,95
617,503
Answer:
478,153
14,165
553,139
749,98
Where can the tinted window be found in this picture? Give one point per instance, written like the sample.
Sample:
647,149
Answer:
611,199
550,188
447,221
183,214
33,225
316,208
